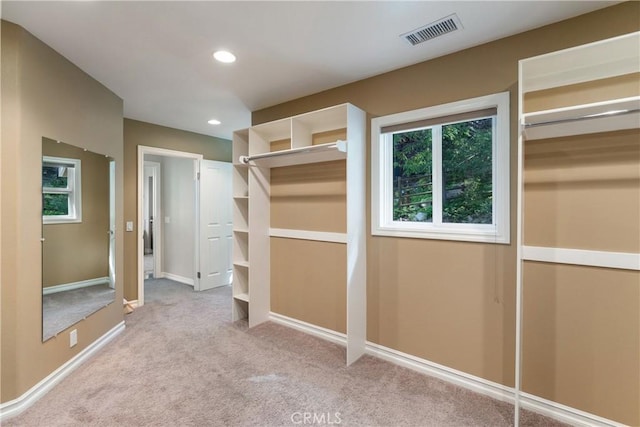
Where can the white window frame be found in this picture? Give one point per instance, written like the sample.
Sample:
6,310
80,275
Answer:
382,223
73,189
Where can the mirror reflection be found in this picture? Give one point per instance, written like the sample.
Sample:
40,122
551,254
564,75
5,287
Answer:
78,224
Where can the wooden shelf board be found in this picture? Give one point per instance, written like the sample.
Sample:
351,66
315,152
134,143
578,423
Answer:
244,264
303,155
597,60
241,297
240,230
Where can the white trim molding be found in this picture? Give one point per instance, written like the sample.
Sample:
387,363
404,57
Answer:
317,236
564,413
476,384
316,331
133,303
76,285
620,260
453,376
15,407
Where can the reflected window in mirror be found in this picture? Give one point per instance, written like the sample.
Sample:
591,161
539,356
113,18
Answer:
78,234
61,190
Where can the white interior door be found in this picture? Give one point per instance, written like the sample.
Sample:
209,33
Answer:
215,225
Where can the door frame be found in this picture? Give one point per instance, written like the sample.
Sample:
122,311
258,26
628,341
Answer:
146,150
156,245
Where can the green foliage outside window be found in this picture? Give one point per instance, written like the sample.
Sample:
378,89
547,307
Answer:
54,203
412,187
466,173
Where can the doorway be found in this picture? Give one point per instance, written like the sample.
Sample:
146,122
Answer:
151,214
184,222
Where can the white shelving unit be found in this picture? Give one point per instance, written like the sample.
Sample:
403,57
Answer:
289,142
592,63
240,292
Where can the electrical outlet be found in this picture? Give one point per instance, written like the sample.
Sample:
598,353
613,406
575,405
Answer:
73,338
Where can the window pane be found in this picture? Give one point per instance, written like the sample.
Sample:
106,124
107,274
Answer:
55,204
51,177
412,191
467,172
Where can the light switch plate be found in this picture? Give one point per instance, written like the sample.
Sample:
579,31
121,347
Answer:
129,226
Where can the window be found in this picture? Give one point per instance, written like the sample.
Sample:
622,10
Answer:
61,190
443,172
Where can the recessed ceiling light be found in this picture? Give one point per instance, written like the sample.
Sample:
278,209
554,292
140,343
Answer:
224,56
214,122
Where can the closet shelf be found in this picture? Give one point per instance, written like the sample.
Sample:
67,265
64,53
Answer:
599,60
591,258
299,156
241,297
616,114
244,264
240,230
241,197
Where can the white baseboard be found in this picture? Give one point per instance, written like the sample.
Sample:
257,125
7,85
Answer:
75,285
16,406
176,278
564,413
459,378
497,391
318,331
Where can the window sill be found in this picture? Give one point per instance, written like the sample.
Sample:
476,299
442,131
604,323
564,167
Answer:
444,234
48,221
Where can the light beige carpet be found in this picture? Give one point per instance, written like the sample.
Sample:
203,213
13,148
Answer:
181,362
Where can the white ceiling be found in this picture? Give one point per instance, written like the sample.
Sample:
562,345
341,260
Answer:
157,55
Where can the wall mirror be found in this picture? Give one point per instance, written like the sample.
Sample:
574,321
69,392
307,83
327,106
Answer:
78,234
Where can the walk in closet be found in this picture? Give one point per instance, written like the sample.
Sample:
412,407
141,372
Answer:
578,330
299,223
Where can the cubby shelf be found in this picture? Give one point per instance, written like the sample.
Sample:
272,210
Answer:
242,297
240,285
244,264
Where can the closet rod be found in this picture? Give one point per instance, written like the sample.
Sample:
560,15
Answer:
339,145
582,118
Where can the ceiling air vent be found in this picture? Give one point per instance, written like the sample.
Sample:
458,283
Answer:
435,29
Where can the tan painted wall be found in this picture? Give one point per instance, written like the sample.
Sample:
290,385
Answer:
44,95
453,302
79,251
581,338
140,133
